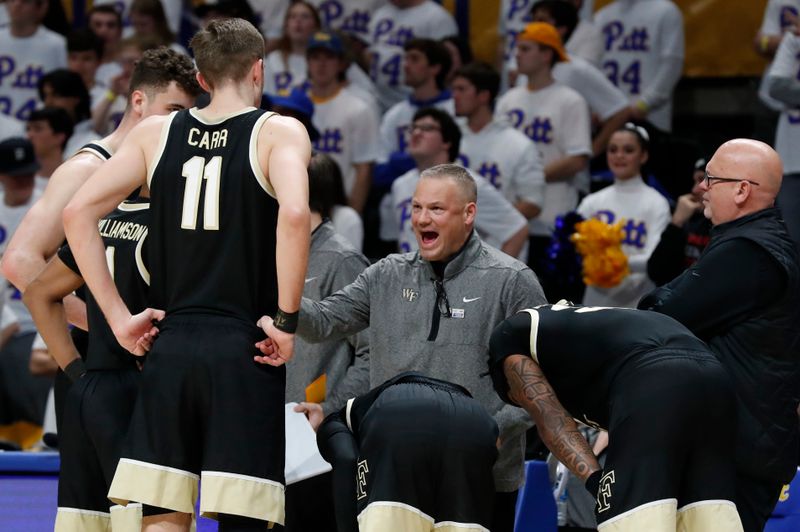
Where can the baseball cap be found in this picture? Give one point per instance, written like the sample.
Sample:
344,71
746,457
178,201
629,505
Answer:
296,104
327,41
546,34
17,157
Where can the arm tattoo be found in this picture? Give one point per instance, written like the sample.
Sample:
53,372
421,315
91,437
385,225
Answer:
558,430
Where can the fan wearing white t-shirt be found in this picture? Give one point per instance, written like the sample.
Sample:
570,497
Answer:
583,40
348,16
106,22
426,63
285,67
28,50
643,55
499,153
607,103
18,167
556,118
780,17
390,28
783,85
435,139
348,127
10,127
48,129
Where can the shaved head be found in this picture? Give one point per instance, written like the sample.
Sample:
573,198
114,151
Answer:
749,175
754,160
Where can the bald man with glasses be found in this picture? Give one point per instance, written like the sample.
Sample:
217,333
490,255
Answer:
741,297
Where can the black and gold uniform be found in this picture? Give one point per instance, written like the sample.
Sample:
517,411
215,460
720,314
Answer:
79,337
411,455
665,400
98,406
208,410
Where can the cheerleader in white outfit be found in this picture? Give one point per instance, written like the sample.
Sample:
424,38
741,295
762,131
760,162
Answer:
643,211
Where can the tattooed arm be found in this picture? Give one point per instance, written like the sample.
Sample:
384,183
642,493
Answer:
530,390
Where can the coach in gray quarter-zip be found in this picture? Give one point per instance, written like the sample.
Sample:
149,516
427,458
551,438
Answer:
432,311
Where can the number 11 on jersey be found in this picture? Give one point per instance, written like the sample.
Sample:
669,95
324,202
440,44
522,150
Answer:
197,172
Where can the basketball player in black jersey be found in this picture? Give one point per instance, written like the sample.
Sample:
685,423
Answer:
99,404
162,81
665,400
228,187
415,442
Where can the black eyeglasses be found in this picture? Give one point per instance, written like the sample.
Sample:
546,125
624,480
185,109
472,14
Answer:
708,178
441,299
425,128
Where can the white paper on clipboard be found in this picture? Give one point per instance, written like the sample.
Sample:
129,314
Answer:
302,454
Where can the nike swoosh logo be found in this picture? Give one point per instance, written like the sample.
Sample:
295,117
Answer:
310,279
470,299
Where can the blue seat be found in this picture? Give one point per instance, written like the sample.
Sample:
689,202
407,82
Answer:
536,509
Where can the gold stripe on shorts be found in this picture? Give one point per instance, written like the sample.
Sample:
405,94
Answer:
77,520
231,493
717,515
655,516
452,526
387,516
155,485
126,518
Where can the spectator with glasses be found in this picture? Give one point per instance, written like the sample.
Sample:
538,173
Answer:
741,297
433,310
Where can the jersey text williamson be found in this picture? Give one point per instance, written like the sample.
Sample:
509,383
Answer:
124,230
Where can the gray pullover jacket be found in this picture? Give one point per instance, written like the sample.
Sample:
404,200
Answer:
407,332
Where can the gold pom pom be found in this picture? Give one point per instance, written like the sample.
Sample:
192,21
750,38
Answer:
604,263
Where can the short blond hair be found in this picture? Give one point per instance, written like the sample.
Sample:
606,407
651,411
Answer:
226,50
460,175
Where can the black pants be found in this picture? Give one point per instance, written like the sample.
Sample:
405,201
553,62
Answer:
755,500
686,455
505,507
431,451
309,505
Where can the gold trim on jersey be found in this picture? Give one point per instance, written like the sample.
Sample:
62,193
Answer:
156,485
534,332
195,112
162,144
347,413
718,515
132,207
126,518
99,155
655,516
257,171
452,526
140,265
388,515
77,520
231,493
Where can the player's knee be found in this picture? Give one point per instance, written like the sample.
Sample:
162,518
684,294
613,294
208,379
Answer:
155,518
